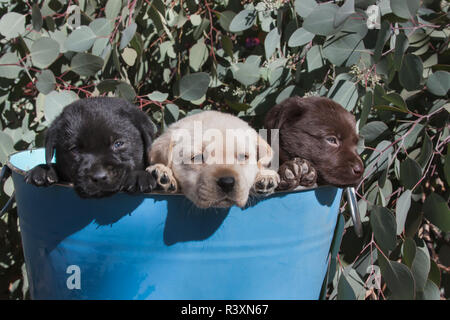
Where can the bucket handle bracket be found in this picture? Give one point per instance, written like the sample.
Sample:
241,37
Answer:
4,175
354,211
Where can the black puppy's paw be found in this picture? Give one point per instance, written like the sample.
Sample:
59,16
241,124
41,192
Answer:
42,175
164,177
139,181
297,172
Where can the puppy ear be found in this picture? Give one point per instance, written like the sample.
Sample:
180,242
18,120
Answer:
264,153
161,151
50,143
282,112
147,131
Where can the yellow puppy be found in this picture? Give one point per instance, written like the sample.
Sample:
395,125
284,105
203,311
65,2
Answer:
216,159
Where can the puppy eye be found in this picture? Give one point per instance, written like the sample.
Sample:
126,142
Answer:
117,144
332,140
242,157
198,158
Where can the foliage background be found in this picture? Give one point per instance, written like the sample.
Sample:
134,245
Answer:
173,58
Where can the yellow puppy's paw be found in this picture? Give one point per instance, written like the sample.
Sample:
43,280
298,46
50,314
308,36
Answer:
164,177
266,182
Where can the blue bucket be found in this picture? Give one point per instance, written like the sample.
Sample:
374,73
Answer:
159,246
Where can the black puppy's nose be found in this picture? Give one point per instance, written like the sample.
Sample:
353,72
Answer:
99,175
226,183
357,169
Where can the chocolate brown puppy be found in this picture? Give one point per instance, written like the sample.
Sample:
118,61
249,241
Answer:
323,133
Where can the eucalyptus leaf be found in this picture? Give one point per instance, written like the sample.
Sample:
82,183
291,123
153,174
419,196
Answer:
12,24
193,86
46,81
44,52
56,101
86,64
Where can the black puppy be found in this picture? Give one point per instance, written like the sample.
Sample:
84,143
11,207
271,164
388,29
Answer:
101,145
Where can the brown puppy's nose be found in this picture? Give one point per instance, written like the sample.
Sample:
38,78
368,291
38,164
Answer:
226,183
357,169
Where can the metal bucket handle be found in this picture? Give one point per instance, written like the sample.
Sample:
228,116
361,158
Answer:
354,211
4,174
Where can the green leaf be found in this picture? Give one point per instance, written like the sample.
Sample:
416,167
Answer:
36,17
384,228
321,20
126,91
410,173
225,19
193,86
56,101
127,35
401,44
345,11
198,55
45,81
421,267
272,42
171,113
246,73
435,273
345,291
44,52
86,64
447,165
314,58
367,105
102,27
406,9
237,105
408,252
158,96
9,66
436,210
439,83
227,45
345,49
305,7
243,20
396,100
398,278
401,210
6,147
372,130
383,36
430,292
300,37
12,24
80,39
345,93
426,151
410,74
112,9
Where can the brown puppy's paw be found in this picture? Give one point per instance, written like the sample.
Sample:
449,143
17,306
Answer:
266,182
42,175
164,177
297,172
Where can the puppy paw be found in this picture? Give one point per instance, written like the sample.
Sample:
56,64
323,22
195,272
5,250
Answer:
164,177
266,182
296,172
42,175
139,181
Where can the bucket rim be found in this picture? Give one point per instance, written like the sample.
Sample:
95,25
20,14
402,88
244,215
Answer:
21,172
